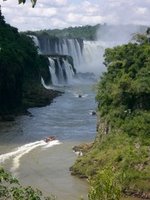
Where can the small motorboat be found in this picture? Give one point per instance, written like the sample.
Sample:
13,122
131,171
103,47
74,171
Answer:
49,139
80,96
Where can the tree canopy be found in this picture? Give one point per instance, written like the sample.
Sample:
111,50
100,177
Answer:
10,189
117,162
19,66
86,32
125,88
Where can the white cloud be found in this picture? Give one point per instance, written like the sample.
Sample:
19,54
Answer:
65,13
141,10
72,17
55,3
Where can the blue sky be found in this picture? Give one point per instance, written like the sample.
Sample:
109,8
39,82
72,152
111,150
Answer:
50,14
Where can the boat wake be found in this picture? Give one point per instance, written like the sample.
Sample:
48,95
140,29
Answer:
51,144
18,153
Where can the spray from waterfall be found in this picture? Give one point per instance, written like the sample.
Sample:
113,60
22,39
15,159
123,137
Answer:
107,36
114,35
87,55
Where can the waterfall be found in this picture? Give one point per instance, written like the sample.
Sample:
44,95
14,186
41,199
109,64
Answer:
36,42
87,55
69,70
63,46
72,47
61,70
65,55
93,57
60,53
52,71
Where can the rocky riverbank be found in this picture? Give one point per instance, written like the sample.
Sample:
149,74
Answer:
39,96
36,96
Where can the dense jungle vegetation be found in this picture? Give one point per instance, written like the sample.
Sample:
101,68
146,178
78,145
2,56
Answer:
118,162
88,32
20,70
83,32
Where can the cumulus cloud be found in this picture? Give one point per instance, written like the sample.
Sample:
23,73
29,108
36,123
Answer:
65,13
55,3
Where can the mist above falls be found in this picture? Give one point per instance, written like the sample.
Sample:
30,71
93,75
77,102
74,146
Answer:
87,55
107,36
118,34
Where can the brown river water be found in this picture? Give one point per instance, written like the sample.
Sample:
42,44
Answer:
46,165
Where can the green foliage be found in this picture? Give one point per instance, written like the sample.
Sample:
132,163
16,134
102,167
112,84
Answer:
139,38
138,124
83,32
119,160
11,68
20,67
10,189
125,87
105,186
120,164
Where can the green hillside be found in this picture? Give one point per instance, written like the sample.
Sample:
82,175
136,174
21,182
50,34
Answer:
118,162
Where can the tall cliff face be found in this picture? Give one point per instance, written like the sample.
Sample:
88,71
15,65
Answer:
20,69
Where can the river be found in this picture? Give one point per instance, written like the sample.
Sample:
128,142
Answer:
46,166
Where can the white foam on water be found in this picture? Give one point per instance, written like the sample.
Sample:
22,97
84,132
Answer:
80,95
25,149
19,150
84,95
17,154
51,144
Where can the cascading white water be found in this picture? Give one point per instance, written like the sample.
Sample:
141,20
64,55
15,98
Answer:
59,50
75,51
87,55
93,57
60,73
69,70
36,42
52,71
70,47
